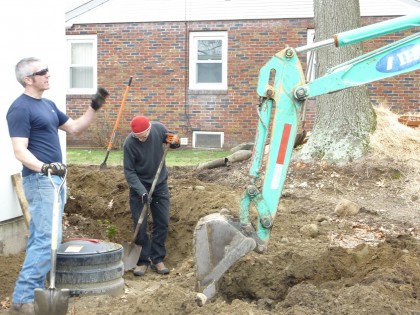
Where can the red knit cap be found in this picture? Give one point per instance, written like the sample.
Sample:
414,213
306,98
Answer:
140,124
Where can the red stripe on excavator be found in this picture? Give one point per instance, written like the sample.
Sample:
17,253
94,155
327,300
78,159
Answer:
283,144
278,168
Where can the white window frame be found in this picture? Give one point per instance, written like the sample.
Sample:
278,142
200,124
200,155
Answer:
73,39
193,60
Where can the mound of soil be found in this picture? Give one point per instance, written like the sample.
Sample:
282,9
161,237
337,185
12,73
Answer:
345,241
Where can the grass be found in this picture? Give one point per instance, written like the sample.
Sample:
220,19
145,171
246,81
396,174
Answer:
178,157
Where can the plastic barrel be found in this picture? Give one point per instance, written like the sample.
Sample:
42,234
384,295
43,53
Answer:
90,267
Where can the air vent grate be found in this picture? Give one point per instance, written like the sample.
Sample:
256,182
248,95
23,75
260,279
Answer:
208,139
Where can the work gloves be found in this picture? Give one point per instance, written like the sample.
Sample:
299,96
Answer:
145,198
56,168
99,98
173,140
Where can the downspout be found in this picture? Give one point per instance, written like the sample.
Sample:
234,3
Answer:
186,45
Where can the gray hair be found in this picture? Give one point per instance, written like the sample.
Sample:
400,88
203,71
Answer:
24,69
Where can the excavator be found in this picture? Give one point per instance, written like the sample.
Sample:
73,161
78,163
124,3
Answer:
220,239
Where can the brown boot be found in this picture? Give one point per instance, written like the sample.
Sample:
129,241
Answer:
140,270
25,308
160,268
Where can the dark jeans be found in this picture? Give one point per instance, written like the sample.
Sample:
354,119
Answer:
153,247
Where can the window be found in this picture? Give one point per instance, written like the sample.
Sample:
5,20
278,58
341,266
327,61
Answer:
208,139
208,60
82,64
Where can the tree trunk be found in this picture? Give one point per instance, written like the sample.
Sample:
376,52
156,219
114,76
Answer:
345,119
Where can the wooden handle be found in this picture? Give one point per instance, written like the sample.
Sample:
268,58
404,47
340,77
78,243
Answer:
17,185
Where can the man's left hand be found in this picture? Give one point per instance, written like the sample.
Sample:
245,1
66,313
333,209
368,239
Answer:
173,140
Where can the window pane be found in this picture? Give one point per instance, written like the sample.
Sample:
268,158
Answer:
81,77
209,50
209,73
81,53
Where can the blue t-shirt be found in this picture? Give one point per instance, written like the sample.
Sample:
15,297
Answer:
38,120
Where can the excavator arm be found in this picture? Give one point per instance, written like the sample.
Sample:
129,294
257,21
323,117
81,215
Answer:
220,240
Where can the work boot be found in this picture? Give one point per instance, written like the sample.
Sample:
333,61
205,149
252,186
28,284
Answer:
140,270
25,308
160,268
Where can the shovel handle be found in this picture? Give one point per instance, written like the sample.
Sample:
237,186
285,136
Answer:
114,130
17,185
54,229
127,88
162,161
139,222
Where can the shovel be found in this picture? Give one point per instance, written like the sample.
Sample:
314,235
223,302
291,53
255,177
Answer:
114,131
132,250
52,301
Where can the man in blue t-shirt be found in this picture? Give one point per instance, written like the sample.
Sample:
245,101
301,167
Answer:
33,123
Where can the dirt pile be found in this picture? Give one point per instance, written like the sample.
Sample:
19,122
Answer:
367,263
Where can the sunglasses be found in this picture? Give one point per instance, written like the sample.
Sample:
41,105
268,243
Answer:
40,72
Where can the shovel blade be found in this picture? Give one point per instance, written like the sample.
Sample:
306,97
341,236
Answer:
51,301
131,255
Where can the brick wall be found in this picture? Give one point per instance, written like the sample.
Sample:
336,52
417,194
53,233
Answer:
156,55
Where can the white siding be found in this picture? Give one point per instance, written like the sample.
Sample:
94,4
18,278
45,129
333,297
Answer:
389,7
72,4
114,11
36,30
247,9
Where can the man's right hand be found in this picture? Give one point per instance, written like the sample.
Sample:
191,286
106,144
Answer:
56,168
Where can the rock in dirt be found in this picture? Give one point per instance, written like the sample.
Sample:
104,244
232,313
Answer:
346,207
309,230
200,299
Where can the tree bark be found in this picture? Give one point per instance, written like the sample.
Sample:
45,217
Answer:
345,119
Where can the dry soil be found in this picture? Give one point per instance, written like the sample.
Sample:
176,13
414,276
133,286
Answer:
322,257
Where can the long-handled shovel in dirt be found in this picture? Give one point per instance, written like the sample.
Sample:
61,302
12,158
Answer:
53,301
132,250
111,141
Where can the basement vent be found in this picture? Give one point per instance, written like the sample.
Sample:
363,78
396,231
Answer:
208,139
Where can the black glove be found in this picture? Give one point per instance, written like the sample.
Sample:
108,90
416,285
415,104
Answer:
56,168
145,198
99,98
173,140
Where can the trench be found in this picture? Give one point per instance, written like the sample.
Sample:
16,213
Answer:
268,281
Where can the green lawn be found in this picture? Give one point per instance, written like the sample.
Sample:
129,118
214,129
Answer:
178,157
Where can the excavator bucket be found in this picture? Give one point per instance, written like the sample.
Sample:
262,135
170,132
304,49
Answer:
218,244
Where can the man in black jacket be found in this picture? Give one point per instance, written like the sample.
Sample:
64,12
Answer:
143,151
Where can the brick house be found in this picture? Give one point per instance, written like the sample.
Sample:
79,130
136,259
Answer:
211,102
